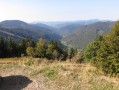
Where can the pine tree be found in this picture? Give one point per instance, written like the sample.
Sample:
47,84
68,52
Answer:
24,44
2,47
12,49
41,48
91,50
50,49
108,54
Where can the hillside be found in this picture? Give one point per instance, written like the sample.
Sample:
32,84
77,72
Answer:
60,24
20,74
85,34
18,30
77,33
68,29
65,28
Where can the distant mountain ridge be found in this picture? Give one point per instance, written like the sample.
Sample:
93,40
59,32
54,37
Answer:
60,24
17,29
13,23
65,28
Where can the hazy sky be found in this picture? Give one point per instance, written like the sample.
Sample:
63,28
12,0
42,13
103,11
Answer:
58,10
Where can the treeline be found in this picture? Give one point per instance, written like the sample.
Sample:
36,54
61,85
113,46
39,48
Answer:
104,52
50,50
41,49
11,48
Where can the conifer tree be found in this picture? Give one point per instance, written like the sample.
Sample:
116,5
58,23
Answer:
108,54
41,48
12,48
2,47
91,50
50,49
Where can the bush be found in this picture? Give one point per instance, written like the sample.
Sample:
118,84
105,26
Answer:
108,54
104,52
91,50
30,51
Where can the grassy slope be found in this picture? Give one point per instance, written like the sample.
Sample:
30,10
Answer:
57,75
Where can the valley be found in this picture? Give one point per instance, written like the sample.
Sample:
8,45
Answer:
73,33
59,45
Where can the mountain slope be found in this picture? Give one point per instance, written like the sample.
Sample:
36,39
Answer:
18,29
68,27
60,24
85,34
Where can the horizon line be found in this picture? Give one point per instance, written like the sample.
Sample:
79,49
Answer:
59,20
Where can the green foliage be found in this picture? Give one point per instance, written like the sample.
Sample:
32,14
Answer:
2,47
91,50
12,48
30,51
108,54
54,50
41,48
49,50
105,52
55,54
26,43
72,52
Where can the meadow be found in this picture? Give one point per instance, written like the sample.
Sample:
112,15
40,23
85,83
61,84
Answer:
55,75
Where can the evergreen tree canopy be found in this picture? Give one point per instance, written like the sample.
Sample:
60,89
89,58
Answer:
41,48
2,47
91,50
108,54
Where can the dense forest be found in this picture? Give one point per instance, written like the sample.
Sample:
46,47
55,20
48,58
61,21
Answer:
42,49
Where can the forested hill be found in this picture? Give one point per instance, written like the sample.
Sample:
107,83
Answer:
18,30
81,37
78,33
65,28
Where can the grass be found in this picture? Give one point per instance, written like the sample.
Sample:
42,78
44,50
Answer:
60,75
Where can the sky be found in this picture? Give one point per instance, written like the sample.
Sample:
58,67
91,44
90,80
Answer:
58,10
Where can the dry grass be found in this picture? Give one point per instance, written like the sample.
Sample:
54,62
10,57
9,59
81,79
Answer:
59,75
8,60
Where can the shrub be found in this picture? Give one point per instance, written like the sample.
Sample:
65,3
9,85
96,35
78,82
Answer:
30,51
